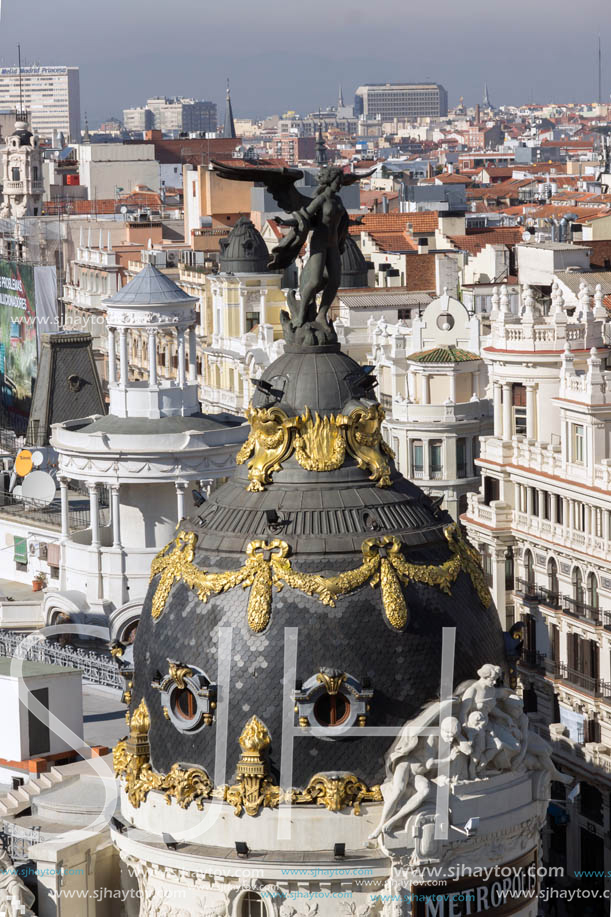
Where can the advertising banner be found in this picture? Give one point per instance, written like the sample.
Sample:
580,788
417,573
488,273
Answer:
28,308
18,341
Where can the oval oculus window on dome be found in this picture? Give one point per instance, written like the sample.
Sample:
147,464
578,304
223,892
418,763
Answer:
188,697
331,699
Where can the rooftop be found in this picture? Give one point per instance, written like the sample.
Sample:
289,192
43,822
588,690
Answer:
11,667
449,354
149,286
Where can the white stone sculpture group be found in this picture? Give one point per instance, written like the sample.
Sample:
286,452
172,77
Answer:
486,734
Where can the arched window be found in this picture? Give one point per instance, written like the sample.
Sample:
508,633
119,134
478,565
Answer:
577,578
529,569
252,905
592,590
552,578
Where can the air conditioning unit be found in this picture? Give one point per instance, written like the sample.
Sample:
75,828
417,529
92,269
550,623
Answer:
43,550
172,258
33,548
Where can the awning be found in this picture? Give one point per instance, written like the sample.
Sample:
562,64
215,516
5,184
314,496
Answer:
21,550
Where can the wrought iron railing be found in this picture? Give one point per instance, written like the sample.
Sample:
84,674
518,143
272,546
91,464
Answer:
533,659
526,588
549,597
49,513
16,840
579,609
96,669
587,683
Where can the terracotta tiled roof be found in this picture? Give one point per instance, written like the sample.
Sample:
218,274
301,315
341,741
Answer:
394,241
449,354
397,222
476,241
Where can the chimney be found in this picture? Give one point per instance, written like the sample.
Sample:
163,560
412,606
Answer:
384,204
477,114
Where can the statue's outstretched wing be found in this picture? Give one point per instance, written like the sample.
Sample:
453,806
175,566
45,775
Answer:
349,178
279,182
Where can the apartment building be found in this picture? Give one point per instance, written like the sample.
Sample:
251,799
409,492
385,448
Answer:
542,522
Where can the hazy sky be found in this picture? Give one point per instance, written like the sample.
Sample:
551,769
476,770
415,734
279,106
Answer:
282,54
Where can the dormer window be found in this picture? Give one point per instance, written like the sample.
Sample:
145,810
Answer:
188,698
332,699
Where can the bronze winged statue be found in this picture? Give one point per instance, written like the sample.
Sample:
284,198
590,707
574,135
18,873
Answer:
325,217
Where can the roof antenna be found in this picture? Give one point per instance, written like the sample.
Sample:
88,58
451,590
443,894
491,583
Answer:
20,115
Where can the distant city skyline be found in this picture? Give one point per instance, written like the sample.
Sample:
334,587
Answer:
279,61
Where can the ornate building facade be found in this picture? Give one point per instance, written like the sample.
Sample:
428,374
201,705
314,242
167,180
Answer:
147,454
22,182
268,727
542,522
433,388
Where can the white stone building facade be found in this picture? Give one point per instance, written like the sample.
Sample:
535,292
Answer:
542,522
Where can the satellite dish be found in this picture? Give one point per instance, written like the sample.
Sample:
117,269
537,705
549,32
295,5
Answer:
23,462
39,486
527,236
123,209
16,492
37,458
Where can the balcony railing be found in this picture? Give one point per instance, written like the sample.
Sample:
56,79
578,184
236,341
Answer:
577,679
549,597
527,589
533,659
582,610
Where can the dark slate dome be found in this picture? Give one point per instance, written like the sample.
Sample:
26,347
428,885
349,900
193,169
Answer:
326,518
354,267
244,251
22,134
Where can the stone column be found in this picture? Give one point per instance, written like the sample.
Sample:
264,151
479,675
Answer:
180,336
123,361
531,425
411,385
112,358
192,356
152,342
498,584
65,512
571,519
116,515
262,309
180,500
498,411
453,387
506,411
529,500
94,515
553,508
242,316
426,388
541,504
607,533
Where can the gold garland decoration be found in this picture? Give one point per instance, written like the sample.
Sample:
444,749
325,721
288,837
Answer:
268,565
318,443
253,788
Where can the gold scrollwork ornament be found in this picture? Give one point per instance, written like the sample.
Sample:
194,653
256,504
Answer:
319,443
267,566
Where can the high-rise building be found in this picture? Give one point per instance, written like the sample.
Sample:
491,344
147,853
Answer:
401,100
188,115
51,96
138,119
